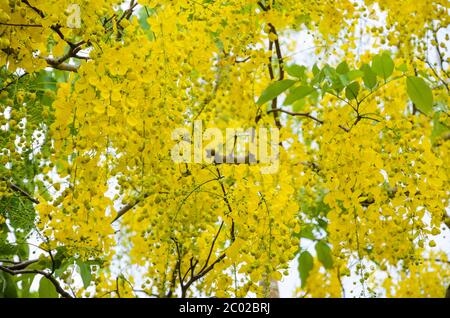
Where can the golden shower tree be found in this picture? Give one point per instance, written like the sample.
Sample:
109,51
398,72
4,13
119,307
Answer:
93,205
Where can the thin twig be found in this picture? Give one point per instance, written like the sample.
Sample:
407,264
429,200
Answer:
308,115
22,192
13,82
22,25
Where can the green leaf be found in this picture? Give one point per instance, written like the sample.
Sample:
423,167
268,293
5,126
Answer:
319,75
305,264
334,77
298,93
315,69
438,127
26,280
43,190
8,287
64,264
324,254
330,72
383,65
354,74
298,105
46,289
322,223
307,232
352,90
369,77
343,68
273,90
420,93
85,272
20,213
402,68
295,70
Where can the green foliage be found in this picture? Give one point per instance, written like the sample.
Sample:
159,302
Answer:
420,93
298,93
273,90
369,77
25,285
354,82
352,90
324,254
297,71
8,288
47,289
85,272
343,68
19,211
439,128
305,264
383,65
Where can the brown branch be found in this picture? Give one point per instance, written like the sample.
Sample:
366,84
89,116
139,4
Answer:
340,282
22,25
272,29
191,268
129,206
22,192
58,63
56,27
193,265
124,210
178,265
117,287
205,269
435,73
243,60
22,265
12,82
201,274
438,49
212,247
48,276
275,100
38,11
437,260
127,13
60,66
308,115
261,5
173,281
278,52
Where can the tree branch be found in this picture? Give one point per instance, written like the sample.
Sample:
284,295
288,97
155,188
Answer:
22,192
308,115
212,247
38,11
49,276
22,25
12,82
60,66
